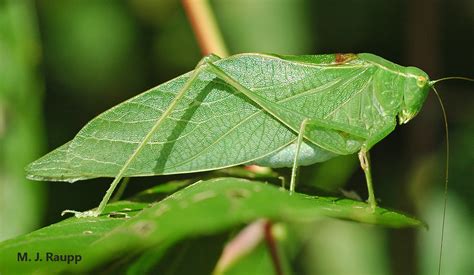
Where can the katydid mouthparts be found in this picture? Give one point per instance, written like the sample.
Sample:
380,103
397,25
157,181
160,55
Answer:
270,110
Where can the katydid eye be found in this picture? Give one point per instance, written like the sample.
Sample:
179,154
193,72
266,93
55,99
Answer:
421,81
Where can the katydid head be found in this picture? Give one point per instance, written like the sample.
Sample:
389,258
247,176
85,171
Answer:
416,90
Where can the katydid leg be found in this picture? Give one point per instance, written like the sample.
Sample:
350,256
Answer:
299,140
364,158
199,68
288,117
118,194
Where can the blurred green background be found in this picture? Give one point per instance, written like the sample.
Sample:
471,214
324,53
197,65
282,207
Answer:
64,62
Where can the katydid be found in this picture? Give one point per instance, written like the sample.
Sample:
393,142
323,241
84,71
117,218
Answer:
270,110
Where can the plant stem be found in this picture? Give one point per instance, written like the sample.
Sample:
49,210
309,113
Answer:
205,27
272,247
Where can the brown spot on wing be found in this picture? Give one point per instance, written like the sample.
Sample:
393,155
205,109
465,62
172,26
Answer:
344,57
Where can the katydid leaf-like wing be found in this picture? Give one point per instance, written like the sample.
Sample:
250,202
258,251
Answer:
215,126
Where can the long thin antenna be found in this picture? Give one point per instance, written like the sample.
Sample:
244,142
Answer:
446,178
433,82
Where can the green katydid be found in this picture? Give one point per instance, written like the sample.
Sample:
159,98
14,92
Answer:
270,110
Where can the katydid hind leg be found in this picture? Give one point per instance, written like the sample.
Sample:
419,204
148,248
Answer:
364,158
289,117
96,212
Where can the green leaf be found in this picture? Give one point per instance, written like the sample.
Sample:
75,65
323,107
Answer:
215,126
203,208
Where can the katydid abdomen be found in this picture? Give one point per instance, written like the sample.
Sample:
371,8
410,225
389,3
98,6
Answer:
309,154
354,99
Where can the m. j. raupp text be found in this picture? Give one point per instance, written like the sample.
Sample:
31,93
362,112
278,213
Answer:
48,257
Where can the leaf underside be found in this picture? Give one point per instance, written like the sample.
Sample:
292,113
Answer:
203,208
215,126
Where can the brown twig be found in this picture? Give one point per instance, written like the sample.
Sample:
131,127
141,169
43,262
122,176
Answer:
205,27
272,247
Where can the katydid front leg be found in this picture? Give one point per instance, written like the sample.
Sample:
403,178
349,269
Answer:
364,159
146,139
